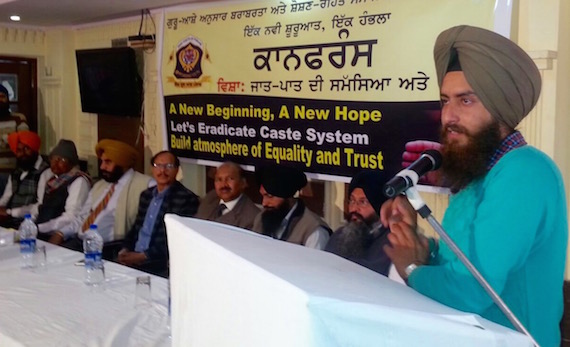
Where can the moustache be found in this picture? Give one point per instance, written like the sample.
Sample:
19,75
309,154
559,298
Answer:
355,215
456,128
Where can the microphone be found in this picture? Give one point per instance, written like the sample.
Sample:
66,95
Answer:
428,161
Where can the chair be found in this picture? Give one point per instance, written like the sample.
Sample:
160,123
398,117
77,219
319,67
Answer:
111,249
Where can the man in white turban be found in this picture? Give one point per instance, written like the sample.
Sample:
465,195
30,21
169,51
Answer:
511,228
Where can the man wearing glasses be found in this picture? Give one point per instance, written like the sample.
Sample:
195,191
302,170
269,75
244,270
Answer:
362,238
145,246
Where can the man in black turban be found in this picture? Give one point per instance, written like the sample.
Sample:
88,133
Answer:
362,238
510,225
285,217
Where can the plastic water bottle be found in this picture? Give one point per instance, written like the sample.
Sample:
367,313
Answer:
93,249
28,232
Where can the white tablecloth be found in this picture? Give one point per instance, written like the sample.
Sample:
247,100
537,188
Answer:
233,288
53,307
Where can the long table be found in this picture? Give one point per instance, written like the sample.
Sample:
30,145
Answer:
53,307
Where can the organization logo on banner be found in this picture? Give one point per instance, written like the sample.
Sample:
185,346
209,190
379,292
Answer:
189,55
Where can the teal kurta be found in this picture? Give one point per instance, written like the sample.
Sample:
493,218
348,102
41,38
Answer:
512,225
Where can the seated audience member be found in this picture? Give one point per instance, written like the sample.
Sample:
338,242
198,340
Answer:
145,246
9,123
285,217
65,192
112,203
227,203
362,239
26,182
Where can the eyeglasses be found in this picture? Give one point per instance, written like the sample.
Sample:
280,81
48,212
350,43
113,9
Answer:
168,166
358,203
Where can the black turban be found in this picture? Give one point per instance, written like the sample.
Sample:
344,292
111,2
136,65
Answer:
503,76
280,181
371,182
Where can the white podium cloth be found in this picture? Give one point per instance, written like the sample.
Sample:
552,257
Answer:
55,308
232,287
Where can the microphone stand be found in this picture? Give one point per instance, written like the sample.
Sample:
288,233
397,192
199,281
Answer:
419,205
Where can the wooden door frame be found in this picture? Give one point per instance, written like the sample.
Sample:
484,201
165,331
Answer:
32,118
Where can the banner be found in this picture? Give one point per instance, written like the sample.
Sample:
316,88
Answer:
329,86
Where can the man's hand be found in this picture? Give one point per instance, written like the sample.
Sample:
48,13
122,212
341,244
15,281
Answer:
56,238
129,258
398,209
413,150
406,247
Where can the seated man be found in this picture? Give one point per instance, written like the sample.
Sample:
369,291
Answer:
362,239
26,182
285,217
145,246
65,192
9,123
227,203
112,203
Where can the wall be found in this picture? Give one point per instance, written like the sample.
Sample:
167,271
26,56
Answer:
544,32
100,36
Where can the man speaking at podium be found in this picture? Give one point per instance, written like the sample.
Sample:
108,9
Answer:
508,212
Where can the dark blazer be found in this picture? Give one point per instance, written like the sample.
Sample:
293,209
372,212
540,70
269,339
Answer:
242,215
178,200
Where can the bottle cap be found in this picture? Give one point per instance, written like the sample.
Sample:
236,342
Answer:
93,226
28,216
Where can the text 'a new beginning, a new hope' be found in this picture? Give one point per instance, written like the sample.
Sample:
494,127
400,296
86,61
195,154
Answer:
341,113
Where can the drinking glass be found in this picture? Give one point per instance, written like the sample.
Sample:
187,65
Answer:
142,292
39,260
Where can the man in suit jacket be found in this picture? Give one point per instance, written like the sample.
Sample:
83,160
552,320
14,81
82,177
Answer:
285,217
227,203
145,246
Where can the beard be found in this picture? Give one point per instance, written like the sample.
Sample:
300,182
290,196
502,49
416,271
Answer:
113,176
271,218
463,164
26,163
4,109
353,239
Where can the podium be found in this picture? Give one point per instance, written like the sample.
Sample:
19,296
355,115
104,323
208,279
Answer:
233,287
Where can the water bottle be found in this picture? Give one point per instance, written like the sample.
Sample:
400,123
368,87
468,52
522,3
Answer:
28,232
93,248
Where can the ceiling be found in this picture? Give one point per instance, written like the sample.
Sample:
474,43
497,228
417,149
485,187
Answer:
49,13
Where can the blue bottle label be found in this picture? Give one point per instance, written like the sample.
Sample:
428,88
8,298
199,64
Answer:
27,245
92,258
